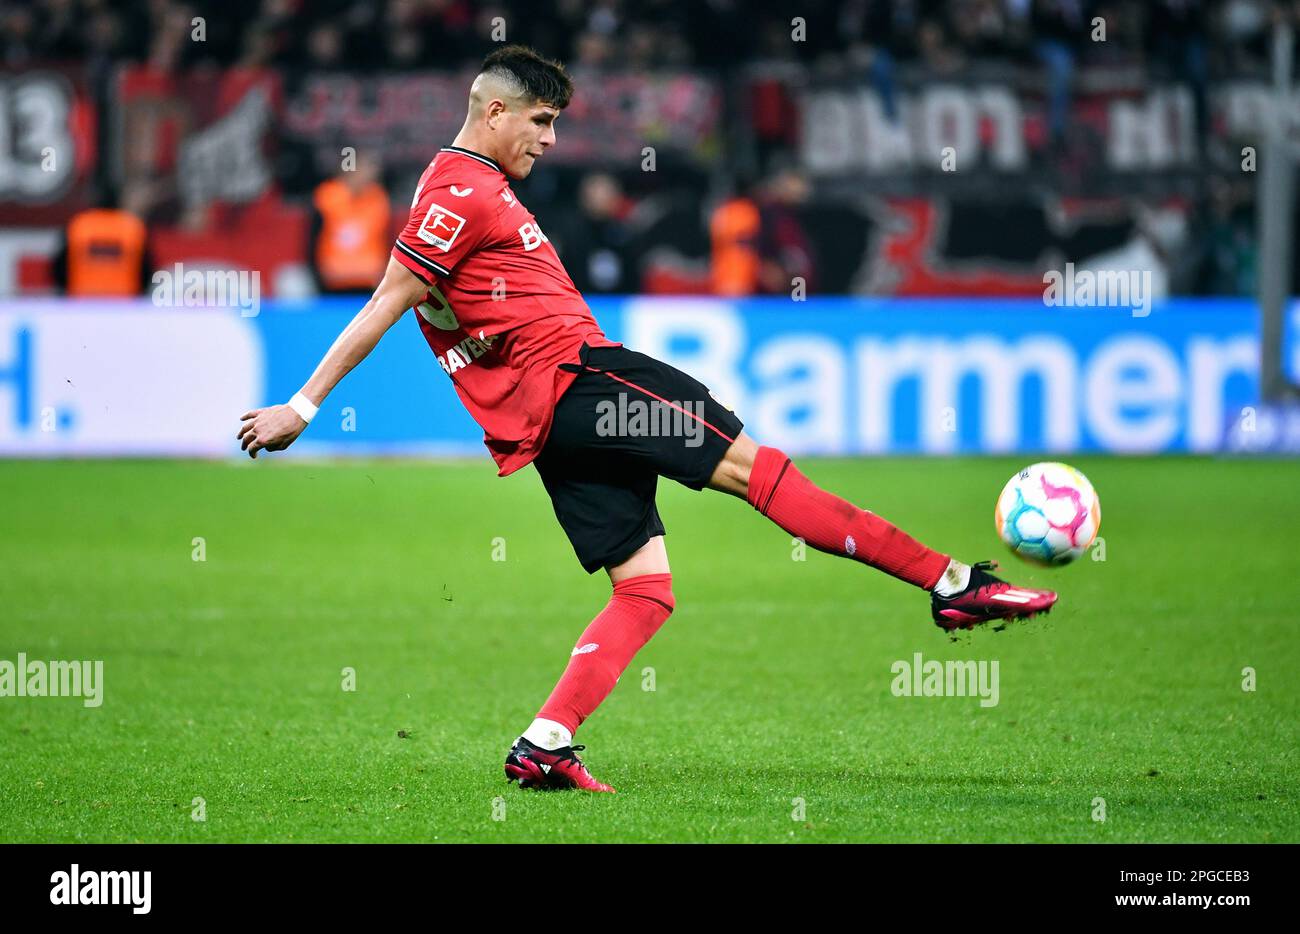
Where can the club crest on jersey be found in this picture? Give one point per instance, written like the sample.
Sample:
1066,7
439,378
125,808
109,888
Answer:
440,227
442,318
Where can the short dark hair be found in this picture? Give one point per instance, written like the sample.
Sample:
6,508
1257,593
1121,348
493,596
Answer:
544,81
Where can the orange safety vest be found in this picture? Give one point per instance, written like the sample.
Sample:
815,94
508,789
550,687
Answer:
734,230
105,250
353,246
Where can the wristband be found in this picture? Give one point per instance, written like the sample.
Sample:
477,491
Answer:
305,408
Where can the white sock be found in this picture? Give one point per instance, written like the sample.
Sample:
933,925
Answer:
953,580
548,734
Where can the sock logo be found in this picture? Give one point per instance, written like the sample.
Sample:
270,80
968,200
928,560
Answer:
585,649
850,545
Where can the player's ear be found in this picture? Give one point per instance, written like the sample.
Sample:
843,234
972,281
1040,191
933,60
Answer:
495,109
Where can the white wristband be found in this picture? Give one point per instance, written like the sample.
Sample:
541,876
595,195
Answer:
305,408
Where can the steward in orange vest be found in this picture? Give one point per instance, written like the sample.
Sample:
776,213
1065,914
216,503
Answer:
351,231
734,230
104,254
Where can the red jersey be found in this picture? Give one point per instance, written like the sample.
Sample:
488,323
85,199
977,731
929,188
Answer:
501,314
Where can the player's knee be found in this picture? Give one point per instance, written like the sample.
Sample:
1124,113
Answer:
652,590
738,472
661,591
668,600
732,472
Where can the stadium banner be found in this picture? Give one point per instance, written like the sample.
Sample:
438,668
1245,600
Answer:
48,127
209,135
991,122
823,376
397,115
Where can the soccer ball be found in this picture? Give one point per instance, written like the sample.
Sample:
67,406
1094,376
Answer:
1048,514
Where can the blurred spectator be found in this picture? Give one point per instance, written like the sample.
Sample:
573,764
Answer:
1178,35
734,229
982,28
595,241
784,247
403,40
105,251
759,242
325,47
1125,36
1227,250
937,53
18,35
594,51
888,29
1059,28
60,30
1242,30
351,229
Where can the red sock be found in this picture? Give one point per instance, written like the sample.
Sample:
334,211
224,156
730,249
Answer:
779,491
639,606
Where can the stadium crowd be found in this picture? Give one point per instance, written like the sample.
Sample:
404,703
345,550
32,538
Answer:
765,220
418,34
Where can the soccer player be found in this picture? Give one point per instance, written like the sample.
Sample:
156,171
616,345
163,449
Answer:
532,366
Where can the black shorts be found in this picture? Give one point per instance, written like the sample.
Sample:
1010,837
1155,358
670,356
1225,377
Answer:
627,420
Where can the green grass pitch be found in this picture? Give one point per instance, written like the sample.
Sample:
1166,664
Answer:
771,717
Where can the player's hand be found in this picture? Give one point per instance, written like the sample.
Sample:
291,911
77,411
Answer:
273,428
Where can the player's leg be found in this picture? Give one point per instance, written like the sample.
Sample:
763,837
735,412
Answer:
772,484
606,504
704,445
711,450
963,595
642,600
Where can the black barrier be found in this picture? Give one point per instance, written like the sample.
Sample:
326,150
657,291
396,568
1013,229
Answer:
1223,882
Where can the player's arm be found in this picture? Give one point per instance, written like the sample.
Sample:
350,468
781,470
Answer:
276,427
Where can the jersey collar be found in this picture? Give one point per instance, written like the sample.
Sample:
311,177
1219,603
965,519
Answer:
474,155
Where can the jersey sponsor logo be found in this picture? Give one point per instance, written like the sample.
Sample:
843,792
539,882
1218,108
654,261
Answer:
461,192
507,197
440,227
464,353
532,236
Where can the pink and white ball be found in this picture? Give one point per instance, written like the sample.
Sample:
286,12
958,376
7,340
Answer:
1048,514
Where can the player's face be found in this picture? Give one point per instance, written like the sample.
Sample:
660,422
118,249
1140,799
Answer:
529,132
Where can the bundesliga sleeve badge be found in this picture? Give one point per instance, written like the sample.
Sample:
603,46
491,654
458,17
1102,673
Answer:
440,227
